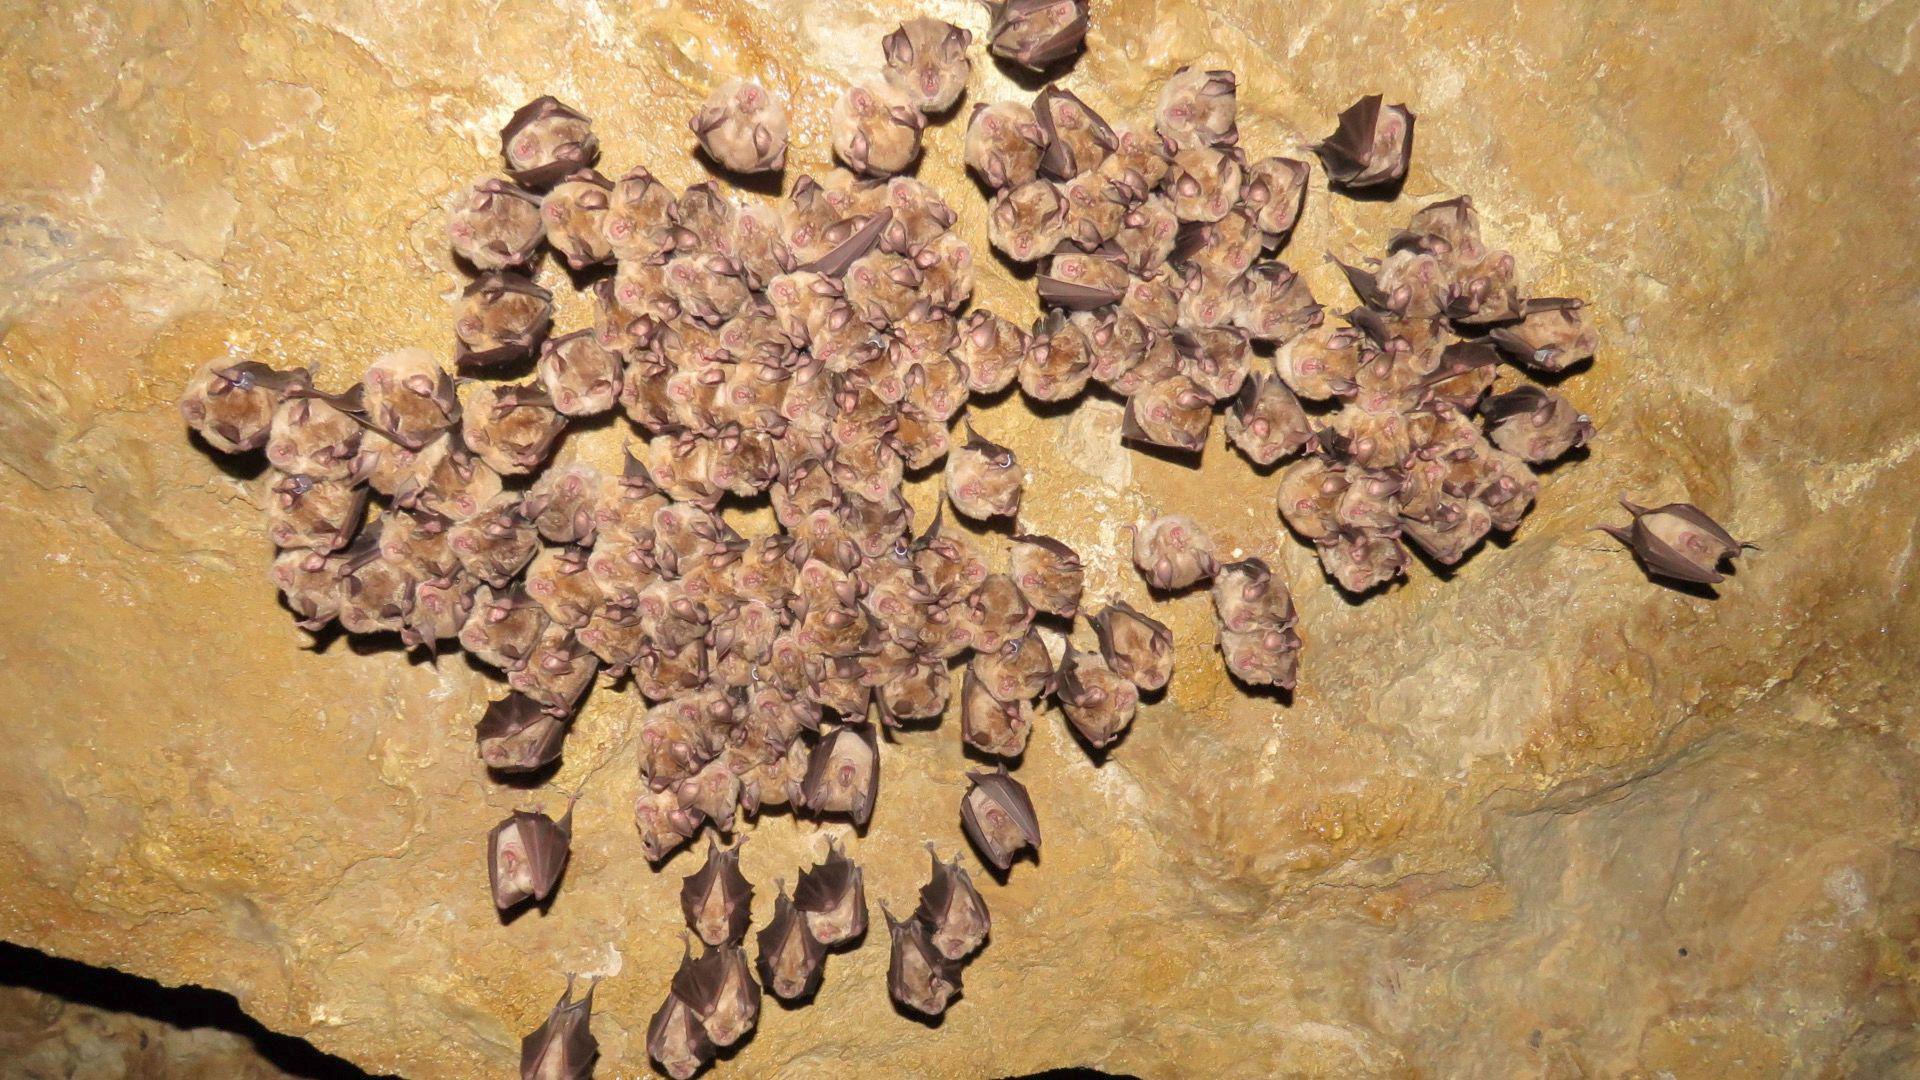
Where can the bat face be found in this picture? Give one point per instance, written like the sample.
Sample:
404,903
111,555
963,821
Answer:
1204,184
1534,424
952,911
790,957
717,900
499,319
984,480
525,855
1372,145
1027,222
876,129
998,817
832,899
926,60
562,1048
496,225
743,127
991,726
1047,573
1173,412
1678,541
843,775
1034,34
1058,362
1197,108
1004,144
1135,646
719,990
1098,702
545,140
677,1041
1173,552
233,406
918,977
1275,192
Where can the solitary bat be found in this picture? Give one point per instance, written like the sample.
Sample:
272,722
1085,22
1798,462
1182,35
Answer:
516,735
998,817
563,1047
1372,145
1034,34
926,60
918,977
951,909
832,898
525,855
790,956
1678,541
743,127
717,899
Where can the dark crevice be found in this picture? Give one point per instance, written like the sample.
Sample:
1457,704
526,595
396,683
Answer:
186,1007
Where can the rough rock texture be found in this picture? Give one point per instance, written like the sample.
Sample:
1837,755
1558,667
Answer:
1545,818
43,1037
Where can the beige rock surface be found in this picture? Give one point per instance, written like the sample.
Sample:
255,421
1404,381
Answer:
1542,819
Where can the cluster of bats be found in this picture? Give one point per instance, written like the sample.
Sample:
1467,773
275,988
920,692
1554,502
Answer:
814,352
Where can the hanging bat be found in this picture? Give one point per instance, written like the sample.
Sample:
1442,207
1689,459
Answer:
677,1040
504,627
1361,559
918,977
1004,144
1678,541
500,318
1081,282
717,900
1028,221
1077,138
1147,233
833,899
1035,34
720,991
1204,184
563,1047
743,127
951,909
580,374
998,817
1135,646
1372,145
984,479
516,735
324,436
511,427
790,958
1197,108
1275,191
576,211
1173,412
496,225
1098,702
991,726
1534,424
843,774
1173,551
314,515
525,856
233,405
409,398
1266,421
1047,572
876,129
926,60
990,348
1552,335
1020,670
495,544
664,823
1059,360
545,140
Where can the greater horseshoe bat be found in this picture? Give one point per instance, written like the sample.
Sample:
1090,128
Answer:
1552,334
1019,670
1678,541
525,856
311,584
843,773
918,977
663,823
743,127
926,60
1204,184
1035,34
677,1040
876,129
993,727
1004,144
563,1047
576,211
638,224
832,897
500,318
1047,572
984,479
1027,222
952,910
1361,559
580,374
998,817
1077,138
1134,645
1372,145
1173,551
234,406
1197,108
545,140
1174,412
717,899
515,735
1097,701
720,991
1274,191
790,957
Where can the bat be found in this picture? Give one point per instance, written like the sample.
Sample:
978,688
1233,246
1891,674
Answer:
1552,335
926,60
790,957
742,127
409,398
1197,108
875,129
511,427
677,1040
501,318
1466,371
918,977
1048,573
843,773
1147,234
525,856
1019,670
1677,541
306,514
575,211
882,287
562,1047
564,501
1058,362
1215,358
1173,412
1204,184
664,823
496,543
847,241
516,735
1485,291
504,627
1098,702
638,225
1173,551
1533,424
1035,34
440,608
993,727
719,990
234,405
717,900
1134,646
1320,363
319,436
1274,191
951,909
1096,209
1077,138
998,817
1360,559
558,581
1371,146
1026,222
496,225
707,286
311,584
557,671
1082,282
984,479
1004,144
1266,422
545,140
832,898
991,349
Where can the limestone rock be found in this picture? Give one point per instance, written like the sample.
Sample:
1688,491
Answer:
1542,818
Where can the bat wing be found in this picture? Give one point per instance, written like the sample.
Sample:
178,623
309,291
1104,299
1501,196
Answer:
1074,297
1662,558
